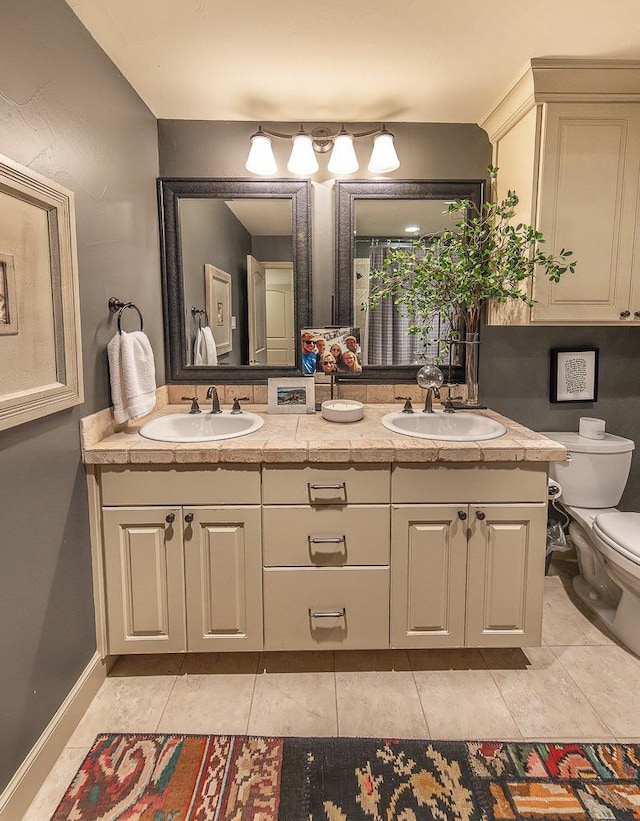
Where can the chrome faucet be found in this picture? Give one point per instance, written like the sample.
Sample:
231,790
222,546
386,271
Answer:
212,393
428,402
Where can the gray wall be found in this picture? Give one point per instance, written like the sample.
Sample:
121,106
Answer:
514,380
66,112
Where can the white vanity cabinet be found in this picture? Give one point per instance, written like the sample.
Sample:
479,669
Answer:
181,577
566,137
326,547
200,558
467,573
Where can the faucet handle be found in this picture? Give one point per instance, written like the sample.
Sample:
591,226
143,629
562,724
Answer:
407,404
195,408
447,405
236,403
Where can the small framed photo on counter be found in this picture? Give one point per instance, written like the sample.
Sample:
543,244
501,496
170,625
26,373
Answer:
574,375
292,395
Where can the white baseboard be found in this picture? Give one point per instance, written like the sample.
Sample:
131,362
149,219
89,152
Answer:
28,779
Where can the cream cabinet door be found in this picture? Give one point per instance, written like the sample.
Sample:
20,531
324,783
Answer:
588,199
223,564
144,579
428,576
505,576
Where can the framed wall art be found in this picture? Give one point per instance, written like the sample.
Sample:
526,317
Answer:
292,395
218,296
574,375
40,349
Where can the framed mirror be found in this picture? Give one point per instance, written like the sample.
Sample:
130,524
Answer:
373,216
236,271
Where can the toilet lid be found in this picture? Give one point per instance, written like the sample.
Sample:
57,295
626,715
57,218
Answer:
621,531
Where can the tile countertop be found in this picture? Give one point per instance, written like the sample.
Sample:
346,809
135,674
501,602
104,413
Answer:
287,438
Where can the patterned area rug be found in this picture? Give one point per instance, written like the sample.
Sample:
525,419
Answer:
219,778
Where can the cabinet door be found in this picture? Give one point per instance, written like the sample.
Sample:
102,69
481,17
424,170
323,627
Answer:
428,575
223,563
505,575
144,579
587,201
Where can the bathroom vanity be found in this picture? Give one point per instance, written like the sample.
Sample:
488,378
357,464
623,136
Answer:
311,535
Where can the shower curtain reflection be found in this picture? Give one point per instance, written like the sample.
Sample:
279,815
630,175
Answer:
386,337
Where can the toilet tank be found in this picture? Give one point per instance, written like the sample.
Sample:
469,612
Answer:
596,470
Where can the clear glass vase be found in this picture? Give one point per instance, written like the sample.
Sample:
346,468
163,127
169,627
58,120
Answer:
472,340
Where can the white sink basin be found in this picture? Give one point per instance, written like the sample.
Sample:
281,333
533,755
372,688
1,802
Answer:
452,427
201,427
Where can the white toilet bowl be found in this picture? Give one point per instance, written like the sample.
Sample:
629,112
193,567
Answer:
607,540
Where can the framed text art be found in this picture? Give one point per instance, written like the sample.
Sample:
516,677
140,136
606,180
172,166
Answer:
574,375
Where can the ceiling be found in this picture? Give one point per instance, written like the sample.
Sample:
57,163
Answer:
345,60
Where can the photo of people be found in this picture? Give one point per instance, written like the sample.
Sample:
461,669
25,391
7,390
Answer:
331,351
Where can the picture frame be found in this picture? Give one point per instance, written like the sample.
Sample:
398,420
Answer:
40,345
8,296
291,395
574,374
331,351
218,296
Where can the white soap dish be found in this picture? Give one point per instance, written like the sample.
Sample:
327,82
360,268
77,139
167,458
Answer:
342,410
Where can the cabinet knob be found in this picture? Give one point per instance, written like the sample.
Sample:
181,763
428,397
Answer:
170,518
188,517
636,314
480,514
462,515
625,314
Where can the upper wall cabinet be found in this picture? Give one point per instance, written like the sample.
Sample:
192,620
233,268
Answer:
566,138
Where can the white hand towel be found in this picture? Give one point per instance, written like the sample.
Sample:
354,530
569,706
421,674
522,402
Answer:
198,347
114,351
132,371
210,351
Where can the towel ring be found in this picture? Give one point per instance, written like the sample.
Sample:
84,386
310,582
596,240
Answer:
119,306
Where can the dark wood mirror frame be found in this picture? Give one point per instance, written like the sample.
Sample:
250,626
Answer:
346,196
170,191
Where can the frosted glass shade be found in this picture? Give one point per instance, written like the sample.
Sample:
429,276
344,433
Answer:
343,158
383,157
261,160
302,161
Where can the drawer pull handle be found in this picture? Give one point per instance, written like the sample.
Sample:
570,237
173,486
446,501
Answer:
480,514
338,486
328,614
188,517
170,518
327,539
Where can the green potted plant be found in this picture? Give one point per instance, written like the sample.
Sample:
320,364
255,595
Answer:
455,273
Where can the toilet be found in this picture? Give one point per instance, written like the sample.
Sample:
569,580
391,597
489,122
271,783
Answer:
607,541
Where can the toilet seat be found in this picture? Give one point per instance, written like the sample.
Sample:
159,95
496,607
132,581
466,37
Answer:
621,532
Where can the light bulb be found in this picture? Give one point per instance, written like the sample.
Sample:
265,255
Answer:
261,160
383,157
343,158
302,161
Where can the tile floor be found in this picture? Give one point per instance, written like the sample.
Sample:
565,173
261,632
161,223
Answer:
580,685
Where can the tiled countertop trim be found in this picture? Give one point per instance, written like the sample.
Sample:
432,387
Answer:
287,438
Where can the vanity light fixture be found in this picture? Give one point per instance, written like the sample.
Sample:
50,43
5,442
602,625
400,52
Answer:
302,161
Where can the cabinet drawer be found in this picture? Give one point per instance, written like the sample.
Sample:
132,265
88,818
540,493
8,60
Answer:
326,535
496,483
325,484
326,609
184,485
